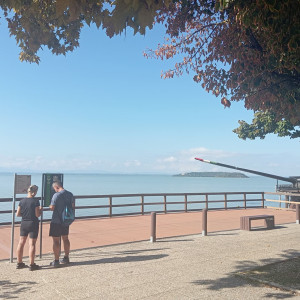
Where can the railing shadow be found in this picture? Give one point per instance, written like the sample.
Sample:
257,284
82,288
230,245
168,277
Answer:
110,253
165,240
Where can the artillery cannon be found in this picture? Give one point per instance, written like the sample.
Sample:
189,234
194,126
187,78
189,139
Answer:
294,187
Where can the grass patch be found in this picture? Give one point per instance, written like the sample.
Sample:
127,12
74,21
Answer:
284,274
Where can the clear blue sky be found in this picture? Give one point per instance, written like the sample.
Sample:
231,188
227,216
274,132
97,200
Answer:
104,108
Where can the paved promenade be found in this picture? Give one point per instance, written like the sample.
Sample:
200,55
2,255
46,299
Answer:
189,267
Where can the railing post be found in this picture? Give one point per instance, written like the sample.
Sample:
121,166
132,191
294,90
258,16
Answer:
280,201
225,201
165,204
185,203
297,213
245,201
263,200
204,222
206,201
110,206
286,199
153,228
142,205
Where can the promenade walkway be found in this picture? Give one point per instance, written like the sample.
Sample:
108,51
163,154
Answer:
101,232
189,267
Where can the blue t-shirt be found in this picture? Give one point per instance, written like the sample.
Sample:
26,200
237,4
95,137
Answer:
60,199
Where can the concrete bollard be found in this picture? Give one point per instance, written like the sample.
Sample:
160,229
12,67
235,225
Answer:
153,228
297,213
204,222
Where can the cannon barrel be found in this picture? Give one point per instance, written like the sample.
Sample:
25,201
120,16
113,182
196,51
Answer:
288,179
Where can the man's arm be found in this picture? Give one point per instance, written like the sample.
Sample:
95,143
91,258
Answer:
53,202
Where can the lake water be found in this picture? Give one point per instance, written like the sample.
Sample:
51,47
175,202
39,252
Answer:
102,184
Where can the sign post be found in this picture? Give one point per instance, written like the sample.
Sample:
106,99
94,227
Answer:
41,220
21,185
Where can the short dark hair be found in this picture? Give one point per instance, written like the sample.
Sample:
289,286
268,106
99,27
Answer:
57,183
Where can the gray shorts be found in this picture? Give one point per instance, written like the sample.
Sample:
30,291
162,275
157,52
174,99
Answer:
58,230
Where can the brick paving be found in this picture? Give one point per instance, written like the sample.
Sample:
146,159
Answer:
101,232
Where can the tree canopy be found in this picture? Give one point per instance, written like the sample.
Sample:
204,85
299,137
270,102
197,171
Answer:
238,50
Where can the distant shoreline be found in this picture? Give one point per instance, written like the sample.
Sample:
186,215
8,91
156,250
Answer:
213,174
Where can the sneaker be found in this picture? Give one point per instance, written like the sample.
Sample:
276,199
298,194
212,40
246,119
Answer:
21,265
33,267
54,263
65,260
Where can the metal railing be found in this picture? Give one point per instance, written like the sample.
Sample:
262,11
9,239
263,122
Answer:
140,204
289,202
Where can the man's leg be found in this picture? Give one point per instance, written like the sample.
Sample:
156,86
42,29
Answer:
56,247
66,242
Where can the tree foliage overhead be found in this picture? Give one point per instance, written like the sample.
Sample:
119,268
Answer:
246,50
56,24
238,50
264,123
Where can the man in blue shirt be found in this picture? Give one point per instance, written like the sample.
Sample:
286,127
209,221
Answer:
57,228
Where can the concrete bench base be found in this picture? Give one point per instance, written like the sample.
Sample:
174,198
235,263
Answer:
245,221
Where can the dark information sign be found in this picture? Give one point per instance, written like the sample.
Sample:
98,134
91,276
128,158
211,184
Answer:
48,191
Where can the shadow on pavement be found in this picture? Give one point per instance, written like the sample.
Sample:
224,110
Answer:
110,260
102,252
264,228
232,280
222,234
165,240
11,290
121,259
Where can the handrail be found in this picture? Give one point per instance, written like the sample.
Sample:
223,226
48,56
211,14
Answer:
166,205
288,197
283,194
282,201
9,199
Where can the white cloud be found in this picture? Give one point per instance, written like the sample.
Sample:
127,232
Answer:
132,163
40,163
205,152
184,161
169,159
173,163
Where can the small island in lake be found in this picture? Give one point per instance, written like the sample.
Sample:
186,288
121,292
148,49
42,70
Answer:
213,174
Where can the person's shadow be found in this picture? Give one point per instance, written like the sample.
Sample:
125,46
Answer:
111,260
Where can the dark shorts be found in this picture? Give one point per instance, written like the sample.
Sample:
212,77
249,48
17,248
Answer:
58,230
29,228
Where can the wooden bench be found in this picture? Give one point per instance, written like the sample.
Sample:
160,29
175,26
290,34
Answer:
245,221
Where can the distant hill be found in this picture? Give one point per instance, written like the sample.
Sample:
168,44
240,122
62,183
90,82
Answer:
213,174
